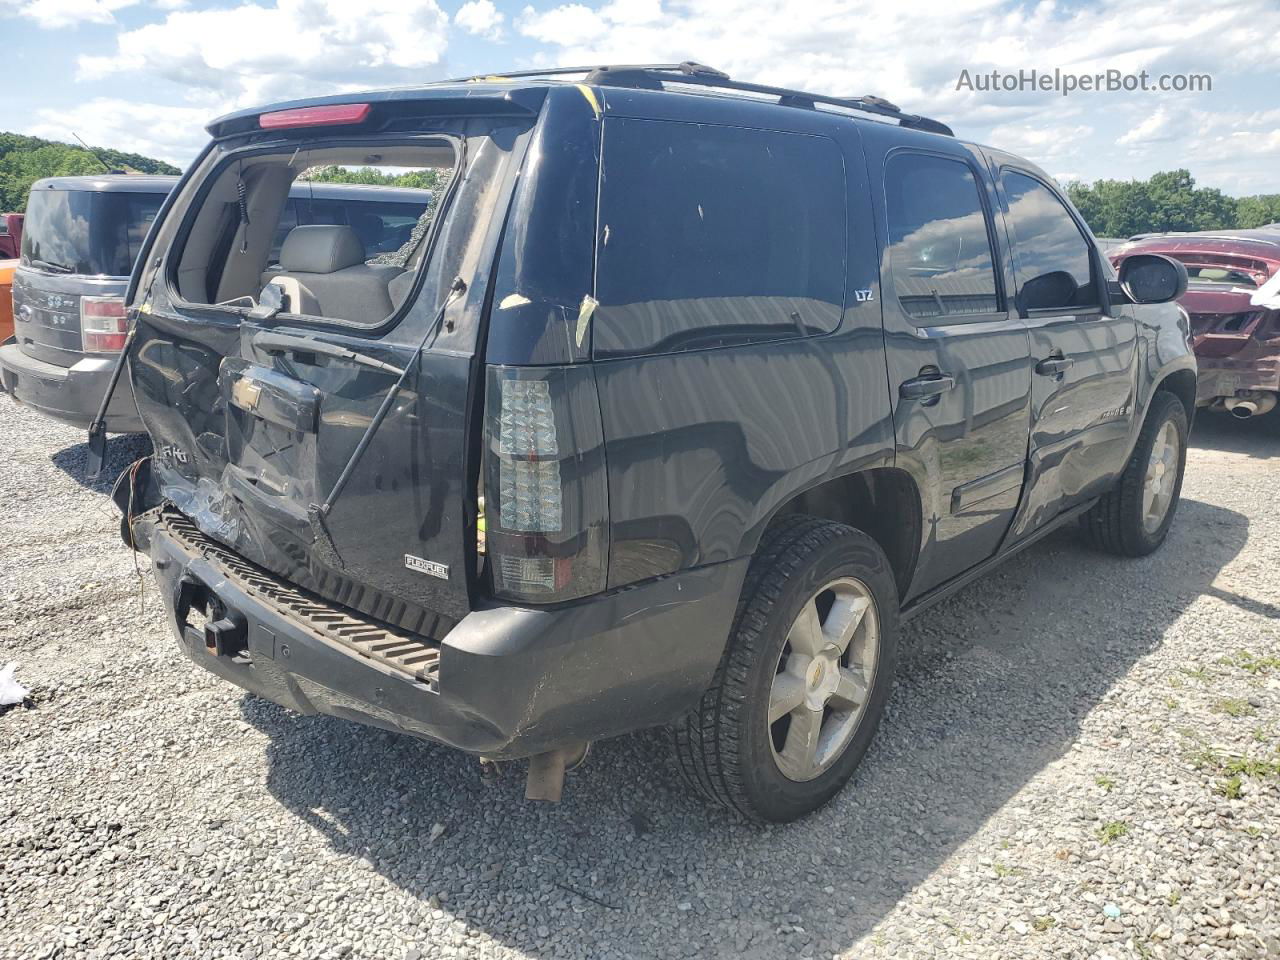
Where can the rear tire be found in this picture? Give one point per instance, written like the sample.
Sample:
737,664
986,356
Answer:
1133,518
804,678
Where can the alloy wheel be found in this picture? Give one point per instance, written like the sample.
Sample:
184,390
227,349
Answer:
1161,477
824,678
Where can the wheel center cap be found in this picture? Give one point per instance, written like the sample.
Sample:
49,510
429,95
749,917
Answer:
817,673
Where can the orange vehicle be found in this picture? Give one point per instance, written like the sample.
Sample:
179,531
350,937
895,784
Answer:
6,298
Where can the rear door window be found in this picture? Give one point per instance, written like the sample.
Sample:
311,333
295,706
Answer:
1052,257
711,236
939,245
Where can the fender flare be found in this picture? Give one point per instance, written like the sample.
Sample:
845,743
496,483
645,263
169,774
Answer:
1142,403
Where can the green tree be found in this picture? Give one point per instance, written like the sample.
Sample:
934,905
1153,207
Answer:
1258,210
426,179
23,160
21,168
1114,208
1179,205
1168,201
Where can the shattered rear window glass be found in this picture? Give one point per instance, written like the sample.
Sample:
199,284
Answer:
400,256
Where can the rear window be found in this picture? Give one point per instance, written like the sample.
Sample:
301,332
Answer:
87,232
1220,276
346,251
712,235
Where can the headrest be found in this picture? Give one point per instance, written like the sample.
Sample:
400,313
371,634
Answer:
320,248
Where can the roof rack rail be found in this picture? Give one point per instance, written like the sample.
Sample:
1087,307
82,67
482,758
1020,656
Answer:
650,76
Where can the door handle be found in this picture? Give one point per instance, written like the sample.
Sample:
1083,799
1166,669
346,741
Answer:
929,385
1054,366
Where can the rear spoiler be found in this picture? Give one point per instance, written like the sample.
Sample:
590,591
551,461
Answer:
453,100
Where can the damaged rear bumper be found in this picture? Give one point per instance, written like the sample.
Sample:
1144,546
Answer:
1253,371
506,682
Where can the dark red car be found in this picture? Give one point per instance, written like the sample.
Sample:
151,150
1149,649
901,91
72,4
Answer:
10,235
1233,299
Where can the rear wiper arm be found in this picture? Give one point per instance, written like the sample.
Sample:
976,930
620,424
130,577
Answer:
51,267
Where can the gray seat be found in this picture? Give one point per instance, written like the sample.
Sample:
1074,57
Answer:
400,286
322,269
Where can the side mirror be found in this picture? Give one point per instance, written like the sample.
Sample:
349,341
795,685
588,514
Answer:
1152,278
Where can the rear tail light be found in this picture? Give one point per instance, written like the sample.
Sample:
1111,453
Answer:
102,324
546,534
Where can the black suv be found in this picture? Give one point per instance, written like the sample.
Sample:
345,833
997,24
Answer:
675,404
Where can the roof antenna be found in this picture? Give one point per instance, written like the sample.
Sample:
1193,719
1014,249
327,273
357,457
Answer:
97,156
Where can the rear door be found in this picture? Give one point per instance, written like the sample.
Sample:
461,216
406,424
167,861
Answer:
959,362
1084,350
254,420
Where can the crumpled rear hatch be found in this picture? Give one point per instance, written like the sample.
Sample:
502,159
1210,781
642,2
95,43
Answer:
255,417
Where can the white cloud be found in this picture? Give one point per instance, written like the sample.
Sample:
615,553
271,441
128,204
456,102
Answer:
64,13
1051,144
175,134
912,52
633,12
567,27
52,14
1236,150
251,54
481,18
1160,126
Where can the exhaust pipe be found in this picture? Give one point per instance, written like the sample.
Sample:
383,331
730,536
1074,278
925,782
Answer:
1253,404
1242,409
547,770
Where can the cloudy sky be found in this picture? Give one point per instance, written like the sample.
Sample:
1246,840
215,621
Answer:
145,75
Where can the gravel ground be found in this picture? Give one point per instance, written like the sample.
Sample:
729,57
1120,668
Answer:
1080,760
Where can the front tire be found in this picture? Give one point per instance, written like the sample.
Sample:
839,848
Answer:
804,678
1133,518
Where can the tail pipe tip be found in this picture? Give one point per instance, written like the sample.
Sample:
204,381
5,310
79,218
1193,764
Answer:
547,770
1254,405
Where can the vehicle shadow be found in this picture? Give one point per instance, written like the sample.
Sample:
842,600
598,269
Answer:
122,450
1257,437
994,685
